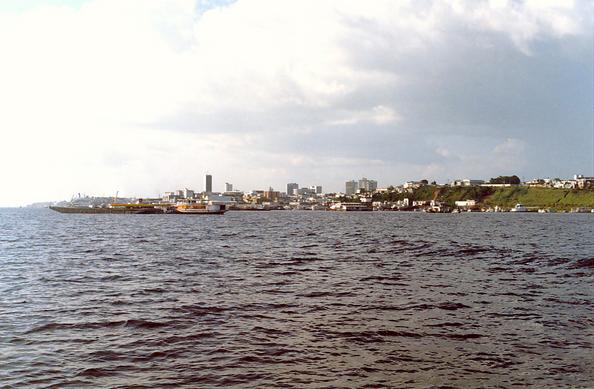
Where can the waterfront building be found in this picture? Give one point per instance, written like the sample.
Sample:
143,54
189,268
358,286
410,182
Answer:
271,195
292,188
228,187
317,189
188,193
351,187
465,203
208,185
367,185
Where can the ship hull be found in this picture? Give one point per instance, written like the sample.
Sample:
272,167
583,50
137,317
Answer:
106,210
200,213
129,211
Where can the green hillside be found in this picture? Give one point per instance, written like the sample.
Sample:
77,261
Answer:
561,199
541,197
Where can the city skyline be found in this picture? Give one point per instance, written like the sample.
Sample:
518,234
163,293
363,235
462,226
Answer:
261,94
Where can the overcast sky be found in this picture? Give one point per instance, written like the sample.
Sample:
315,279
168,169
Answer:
143,97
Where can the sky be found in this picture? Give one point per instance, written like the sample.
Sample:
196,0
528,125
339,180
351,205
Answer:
143,97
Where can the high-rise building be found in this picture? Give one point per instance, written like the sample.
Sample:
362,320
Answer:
228,187
208,183
351,187
291,188
317,189
367,185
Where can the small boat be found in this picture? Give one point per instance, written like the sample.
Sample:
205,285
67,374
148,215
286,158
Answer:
351,207
200,209
519,208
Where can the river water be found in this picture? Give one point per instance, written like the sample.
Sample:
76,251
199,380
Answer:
296,299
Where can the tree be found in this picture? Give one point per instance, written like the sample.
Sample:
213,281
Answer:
513,180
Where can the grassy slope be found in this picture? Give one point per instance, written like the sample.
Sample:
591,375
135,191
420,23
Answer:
541,197
505,197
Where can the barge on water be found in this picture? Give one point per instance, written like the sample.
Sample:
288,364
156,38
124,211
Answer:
185,208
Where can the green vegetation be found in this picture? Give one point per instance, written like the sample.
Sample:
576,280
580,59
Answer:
513,180
561,199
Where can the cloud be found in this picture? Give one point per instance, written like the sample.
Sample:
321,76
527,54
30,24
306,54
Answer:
261,91
510,147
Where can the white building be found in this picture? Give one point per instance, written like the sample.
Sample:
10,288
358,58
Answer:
367,185
467,182
465,203
583,182
412,185
188,193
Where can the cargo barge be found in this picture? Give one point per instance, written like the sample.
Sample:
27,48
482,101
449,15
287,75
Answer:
185,208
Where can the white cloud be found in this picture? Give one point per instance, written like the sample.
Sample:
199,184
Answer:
380,115
510,147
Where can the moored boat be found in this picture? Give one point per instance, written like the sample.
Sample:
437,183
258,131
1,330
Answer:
200,209
111,208
519,208
147,208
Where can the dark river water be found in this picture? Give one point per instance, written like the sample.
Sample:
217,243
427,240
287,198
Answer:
296,299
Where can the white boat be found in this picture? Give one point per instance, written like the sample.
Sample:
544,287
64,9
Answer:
351,207
519,208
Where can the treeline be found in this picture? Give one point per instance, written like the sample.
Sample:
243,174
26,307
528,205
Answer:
513,180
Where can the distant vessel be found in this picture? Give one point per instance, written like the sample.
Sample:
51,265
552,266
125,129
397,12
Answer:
519,208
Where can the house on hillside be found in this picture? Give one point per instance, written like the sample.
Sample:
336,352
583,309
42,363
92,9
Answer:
467,182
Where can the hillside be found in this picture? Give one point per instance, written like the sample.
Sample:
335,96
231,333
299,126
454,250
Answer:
561,199
541,197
